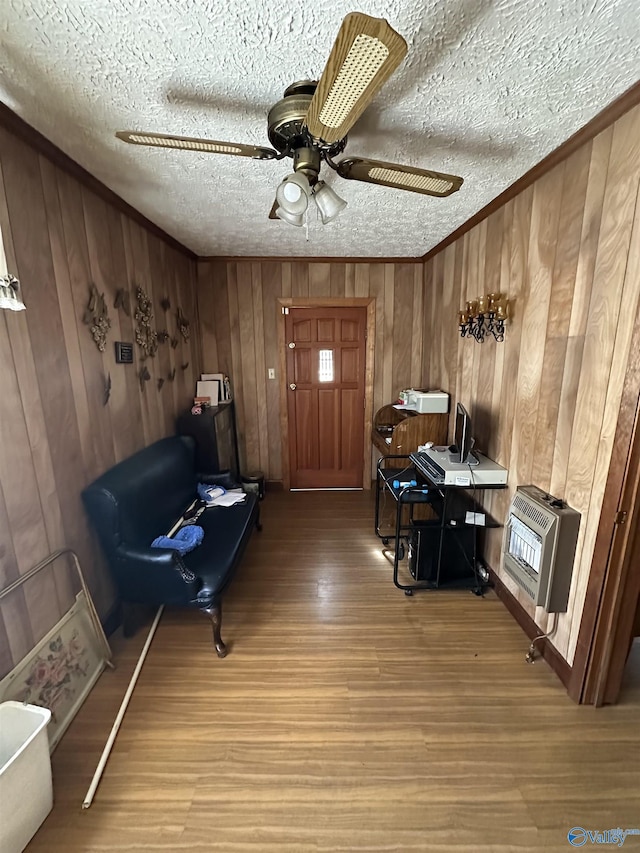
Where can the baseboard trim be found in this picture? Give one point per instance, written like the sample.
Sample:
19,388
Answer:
549,652
274,486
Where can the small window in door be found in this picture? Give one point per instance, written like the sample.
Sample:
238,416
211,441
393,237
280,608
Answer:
325,365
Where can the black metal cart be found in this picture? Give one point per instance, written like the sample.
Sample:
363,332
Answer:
443,548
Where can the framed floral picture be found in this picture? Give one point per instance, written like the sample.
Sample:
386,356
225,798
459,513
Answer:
60,671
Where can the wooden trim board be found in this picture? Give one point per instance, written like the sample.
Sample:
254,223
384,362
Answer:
234,259
602,597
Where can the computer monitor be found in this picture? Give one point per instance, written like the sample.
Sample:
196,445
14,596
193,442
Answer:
462,440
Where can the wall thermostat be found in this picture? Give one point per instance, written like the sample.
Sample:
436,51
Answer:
124,353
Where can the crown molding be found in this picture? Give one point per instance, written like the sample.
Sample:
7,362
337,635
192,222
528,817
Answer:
283,259
28,134
598,123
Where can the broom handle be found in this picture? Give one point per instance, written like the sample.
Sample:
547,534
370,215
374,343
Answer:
97,776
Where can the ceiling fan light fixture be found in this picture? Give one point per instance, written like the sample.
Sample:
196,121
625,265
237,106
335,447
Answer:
293,194
296,219
328,202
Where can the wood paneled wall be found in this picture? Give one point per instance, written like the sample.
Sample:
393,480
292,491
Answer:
238,314
545,402
57,434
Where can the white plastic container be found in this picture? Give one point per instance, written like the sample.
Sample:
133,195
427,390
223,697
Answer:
26,791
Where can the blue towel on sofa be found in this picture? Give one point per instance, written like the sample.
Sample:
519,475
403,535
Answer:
185,540
209,493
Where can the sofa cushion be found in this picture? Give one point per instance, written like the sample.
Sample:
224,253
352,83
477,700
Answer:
226,533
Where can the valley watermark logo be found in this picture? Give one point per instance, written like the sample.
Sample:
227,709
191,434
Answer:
578,837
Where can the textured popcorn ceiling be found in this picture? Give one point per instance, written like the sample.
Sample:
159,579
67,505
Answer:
486,91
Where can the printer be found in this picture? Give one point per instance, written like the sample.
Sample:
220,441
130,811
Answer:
427,402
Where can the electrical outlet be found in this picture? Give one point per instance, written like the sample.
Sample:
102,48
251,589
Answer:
271,373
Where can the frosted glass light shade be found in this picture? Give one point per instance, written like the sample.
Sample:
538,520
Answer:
329,202
296,219
293,194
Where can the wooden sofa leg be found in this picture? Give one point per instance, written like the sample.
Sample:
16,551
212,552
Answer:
215,614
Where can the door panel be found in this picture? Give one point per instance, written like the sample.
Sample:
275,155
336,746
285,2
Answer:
350,366
326,407
326,330
303,370
351,428
306,429
348,331
328,429
301,331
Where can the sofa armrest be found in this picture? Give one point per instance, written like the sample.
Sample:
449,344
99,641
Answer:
152,575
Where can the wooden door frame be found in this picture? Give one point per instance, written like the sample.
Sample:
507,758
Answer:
610,602
367,302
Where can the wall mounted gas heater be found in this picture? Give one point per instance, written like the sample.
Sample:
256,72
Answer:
540,540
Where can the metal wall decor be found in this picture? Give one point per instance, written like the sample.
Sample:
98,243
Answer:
183,324
107,389
96,317
143,376
123,301
163,336
146,335
484,316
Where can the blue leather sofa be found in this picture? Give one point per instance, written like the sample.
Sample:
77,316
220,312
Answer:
141,498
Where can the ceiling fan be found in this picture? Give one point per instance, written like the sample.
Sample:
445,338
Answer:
311,122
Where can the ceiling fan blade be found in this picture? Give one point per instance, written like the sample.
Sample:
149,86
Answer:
400,177
187,143
365,54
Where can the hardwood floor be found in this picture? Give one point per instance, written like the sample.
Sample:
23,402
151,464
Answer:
346,717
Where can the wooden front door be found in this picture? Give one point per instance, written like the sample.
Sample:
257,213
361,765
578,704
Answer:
326,396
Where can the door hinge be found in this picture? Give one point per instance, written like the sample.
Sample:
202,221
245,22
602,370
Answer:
621,517
285,310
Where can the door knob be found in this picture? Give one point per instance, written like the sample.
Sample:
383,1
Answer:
292,345
292,385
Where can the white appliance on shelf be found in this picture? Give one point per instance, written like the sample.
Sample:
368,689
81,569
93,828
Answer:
428,402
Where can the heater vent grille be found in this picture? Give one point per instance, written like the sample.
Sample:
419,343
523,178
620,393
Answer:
542,519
